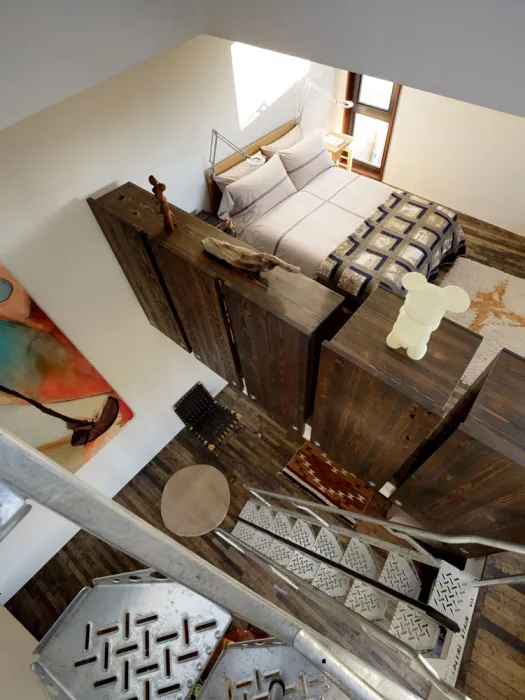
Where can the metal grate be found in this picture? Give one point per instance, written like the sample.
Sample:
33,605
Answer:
331,581
399,574
327,545
414,629
358,557
245,672
130,637
366,601
448,591
250,513
303,535
303,566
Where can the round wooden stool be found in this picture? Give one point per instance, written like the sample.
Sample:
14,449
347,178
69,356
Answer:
195,500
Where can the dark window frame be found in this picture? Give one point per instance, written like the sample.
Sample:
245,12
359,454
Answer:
353,85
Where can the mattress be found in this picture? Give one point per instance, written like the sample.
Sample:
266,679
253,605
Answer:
307,226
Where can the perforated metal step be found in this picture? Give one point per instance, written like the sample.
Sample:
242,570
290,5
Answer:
129,637
414,629
366,601
245,672
399,575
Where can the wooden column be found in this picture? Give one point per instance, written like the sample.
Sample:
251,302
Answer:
132,249
278,326
374,406
474,483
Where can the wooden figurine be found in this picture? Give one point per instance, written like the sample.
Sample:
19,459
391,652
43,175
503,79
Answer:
158,189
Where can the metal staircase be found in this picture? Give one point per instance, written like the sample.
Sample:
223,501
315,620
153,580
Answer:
374,578
111,643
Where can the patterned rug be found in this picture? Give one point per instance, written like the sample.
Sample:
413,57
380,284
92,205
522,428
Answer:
313,471
497,311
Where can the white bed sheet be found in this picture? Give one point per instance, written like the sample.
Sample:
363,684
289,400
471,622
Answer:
305,228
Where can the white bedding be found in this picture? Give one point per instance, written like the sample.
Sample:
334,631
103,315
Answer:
306,227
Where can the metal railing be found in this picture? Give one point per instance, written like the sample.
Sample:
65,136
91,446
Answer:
407,532
38,478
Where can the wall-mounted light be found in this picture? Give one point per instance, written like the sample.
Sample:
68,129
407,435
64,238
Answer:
215,136
309,85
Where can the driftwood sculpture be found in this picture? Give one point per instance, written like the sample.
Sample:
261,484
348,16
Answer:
158,190
245,258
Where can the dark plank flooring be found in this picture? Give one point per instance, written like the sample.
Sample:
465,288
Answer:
493,665
244,459
493,246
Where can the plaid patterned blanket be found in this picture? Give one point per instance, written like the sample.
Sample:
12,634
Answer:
405,234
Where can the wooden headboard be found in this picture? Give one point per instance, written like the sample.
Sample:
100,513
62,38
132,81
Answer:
236,158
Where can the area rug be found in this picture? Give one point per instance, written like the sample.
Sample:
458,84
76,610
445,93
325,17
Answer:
314,472
497,311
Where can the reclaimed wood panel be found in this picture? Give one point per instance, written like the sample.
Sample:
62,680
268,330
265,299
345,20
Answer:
278,339
474,483
197,296
131,248
374,405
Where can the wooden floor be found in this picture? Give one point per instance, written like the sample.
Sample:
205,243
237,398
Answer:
494,246
244,459
494,664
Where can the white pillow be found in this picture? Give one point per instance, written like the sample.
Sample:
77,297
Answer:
238,171
286,141
254,195
306,159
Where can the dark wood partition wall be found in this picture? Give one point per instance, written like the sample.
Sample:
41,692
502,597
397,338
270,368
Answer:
277,318
474,483
375,406
382,415
131,248
278,330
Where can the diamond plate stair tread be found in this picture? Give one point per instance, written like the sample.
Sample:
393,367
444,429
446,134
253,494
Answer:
281,553
303,535
282,525
448,595
265,518
414,629
400,575
244,532
250,513
140,638
358,557
331,581
366,601
303,566
327,545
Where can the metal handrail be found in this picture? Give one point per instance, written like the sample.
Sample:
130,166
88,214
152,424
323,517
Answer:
356,620
38,478
400,529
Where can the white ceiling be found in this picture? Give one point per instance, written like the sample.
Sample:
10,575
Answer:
471,50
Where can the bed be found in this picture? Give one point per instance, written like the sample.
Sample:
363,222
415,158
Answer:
353,233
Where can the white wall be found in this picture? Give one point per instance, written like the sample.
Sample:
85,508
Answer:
155,118
51,49
16,655
467,157
471,50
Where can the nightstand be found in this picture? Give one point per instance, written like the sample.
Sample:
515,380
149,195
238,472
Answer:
213,220
337,151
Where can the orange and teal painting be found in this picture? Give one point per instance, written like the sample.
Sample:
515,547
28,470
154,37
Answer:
50,395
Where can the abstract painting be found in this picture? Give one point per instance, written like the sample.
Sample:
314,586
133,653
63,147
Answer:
50,396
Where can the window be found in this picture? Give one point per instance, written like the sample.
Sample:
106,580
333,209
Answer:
370,121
